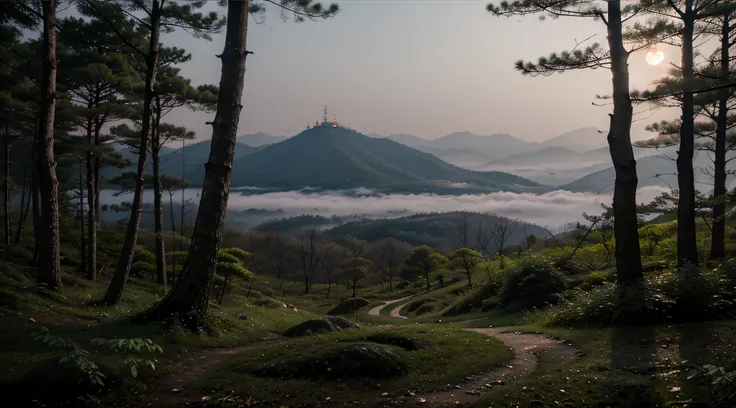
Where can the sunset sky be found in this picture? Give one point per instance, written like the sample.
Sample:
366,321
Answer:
426,68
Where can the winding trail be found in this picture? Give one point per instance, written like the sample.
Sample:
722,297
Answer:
527,348
376,311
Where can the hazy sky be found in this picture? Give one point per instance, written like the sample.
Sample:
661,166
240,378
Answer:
424,67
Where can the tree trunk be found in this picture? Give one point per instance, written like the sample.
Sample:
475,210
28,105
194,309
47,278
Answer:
36,207
80,211
329,286
49,266
717,246
628,258
120,278
687,250
92,203
23,205
390,279
158,209
190,295
354,280
470,281
6,190
173,234
426,275
224,288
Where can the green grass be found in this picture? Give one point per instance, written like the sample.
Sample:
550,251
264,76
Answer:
449,355
626,367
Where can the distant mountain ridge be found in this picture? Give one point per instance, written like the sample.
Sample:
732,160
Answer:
335,158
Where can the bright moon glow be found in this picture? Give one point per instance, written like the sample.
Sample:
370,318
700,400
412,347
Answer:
654,57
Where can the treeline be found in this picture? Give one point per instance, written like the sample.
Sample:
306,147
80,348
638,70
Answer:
73,88
703,90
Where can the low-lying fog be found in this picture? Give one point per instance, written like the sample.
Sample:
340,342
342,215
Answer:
552,209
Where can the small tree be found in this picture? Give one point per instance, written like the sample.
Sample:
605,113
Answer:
355,269
425,261
331,257
466,259
231,264
306,247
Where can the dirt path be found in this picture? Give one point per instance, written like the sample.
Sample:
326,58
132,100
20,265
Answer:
172,389
376,311
527,349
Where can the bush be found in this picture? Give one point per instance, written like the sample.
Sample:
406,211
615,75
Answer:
702,295
534,283
472,300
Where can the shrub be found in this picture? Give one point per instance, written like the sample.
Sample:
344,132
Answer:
534,283
472,300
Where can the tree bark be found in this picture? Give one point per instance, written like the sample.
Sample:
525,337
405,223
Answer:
470,281
6,189
49,266
687,250
189,297
158,207
120,278
717,247
23,205
80,210
628,255
173,234
92,203
36,205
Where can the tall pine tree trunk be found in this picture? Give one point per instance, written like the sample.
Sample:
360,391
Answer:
80,212
120,278
36,205
173,233
21,219
628,255
92,200
687,250
158,208
719,163
49,266
190,295
6,189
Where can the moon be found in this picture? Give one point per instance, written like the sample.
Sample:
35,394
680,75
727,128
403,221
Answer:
655,57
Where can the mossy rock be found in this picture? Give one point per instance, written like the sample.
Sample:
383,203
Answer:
48,383
337,361
325,324
348,306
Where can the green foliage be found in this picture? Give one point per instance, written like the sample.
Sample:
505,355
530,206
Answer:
83,360
474,300
422,262
534,283
662,298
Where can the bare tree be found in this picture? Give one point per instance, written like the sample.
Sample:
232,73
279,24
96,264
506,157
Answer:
463,233
331,256
483,237
501,235
306,247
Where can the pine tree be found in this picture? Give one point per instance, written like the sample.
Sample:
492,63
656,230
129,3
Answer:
188,298
166,16
615,58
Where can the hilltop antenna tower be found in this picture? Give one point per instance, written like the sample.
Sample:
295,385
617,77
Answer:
325,114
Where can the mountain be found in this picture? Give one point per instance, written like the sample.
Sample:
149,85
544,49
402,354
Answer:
438,230
195,156
658,171
551,155
330,158
260,139
465,158
494,146
579,140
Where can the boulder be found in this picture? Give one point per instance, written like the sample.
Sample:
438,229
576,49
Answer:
348,306
325,324
338,361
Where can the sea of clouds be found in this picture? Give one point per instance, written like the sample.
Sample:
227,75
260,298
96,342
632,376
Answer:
552,209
